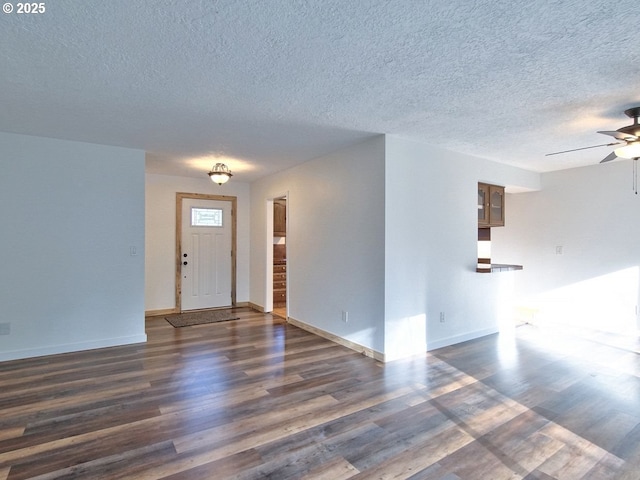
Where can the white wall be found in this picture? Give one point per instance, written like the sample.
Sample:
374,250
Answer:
387,230
431,248
70,214
335,241
593,214
161,232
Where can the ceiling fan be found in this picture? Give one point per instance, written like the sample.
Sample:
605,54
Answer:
629,137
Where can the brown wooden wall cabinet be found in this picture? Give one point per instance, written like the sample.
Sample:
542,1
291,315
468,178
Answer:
490,214
490,205
279,218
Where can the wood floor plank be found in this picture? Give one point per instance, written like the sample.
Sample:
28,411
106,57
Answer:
42,406
123,465
11,433
337,469
419,457
336,431
231,467
575,459
258,398
527,450
609,467
254,428
474,460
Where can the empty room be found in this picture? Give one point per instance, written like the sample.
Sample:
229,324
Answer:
321,240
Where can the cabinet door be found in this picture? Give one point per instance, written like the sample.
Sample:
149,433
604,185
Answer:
496,206
483,204
280,218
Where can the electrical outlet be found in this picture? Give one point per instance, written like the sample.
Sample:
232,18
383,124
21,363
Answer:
441,317
5,328
559,250
345,316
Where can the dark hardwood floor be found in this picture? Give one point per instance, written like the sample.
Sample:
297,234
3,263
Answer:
257,398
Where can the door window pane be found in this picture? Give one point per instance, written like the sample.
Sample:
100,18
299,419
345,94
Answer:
206,217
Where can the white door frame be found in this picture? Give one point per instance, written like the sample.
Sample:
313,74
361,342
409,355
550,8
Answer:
203,196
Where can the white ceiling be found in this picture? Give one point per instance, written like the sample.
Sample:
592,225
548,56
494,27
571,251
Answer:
264,84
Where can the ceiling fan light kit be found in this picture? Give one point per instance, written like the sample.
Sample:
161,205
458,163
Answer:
630,150
220,173
629,134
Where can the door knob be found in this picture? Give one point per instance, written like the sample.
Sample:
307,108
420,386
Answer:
184,255
184,263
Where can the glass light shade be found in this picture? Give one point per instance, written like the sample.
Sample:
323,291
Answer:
630,150
220,173
219,178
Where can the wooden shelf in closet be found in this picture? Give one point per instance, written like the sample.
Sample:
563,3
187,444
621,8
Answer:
279,276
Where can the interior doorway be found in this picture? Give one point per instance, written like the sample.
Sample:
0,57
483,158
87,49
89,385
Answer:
205,251
279,240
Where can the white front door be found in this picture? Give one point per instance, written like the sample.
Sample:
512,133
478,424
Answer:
206,254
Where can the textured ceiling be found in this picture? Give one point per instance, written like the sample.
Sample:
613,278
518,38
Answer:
266,84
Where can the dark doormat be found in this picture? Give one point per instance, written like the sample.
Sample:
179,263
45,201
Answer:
199,318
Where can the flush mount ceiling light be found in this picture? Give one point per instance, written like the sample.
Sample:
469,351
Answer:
220,173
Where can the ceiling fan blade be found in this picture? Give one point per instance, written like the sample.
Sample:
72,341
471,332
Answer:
583,148
620,136
608,158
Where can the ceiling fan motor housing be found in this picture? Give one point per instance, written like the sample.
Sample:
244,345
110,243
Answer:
635,128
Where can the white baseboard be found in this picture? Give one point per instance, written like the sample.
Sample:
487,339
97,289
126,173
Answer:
73,347
161,312
445,342
256,307
369,352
